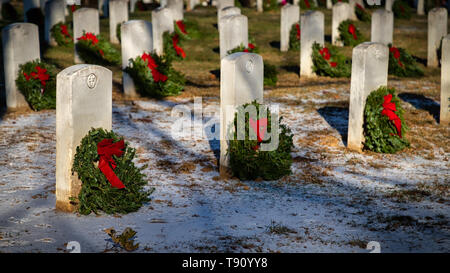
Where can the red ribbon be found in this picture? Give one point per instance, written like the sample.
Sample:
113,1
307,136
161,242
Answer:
106,149
307,4
259,126
388,110
251,46
397,55
40,75
73,8
333,64
151,64
89,37
65,32
359,6
178,49
297,26
325,53
181,26
352,31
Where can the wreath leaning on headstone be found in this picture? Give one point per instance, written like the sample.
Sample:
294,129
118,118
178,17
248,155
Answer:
294,37
349,34
62,33
110,180
37,82
270,71
401,10
94,49
384,127
362,14
247,160
402,64
154,76
329,62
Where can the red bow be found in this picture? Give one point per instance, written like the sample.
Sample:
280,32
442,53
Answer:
73,8
251,46
333,64
397,55
40,75
106,149
151,64
325,53
178,49
352,31
181,26
64,31
307,4
259,126
359,6
388,110
298,31
89,37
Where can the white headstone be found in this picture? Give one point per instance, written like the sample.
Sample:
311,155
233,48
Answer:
227,11
259,5
133,5
103,7
224,3
136,39
83,101
389,4
54,14
329,4
241,82
20,45
352,4
162,21
42,5
177,9
382,26
341,12
420,7
290,15
233,31
312,24
369,71
118,13
84,19
437,28
445,81
30,4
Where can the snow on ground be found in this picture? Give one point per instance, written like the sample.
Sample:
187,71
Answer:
335,200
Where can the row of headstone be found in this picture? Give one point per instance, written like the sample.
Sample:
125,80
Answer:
290,15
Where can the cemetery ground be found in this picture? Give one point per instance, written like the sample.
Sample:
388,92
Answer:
335,200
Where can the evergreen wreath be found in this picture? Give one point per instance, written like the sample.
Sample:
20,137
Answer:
154,76
9,13
248,162
102,160
94,49
349,34
401,10
307,4
362,14
62,33
270,71
329,62
402,64
172,45
37,82
294,37
384,127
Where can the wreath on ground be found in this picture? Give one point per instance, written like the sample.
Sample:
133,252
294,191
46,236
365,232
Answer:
270,71
402,64
62,33
110,180
307,4
329,62
37,82
247,160
94,49
349,34
154,76
294,37
384,127
9,12
401,10
362,14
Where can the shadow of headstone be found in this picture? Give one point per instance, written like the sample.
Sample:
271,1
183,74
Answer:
337,117
423,103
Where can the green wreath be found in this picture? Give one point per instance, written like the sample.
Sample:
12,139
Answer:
294,37
96,193
402,64
143,79
37,82
329,62
248,162
270,71
62,33
362,14
97,50
380,133
401,10
172,46
349,34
